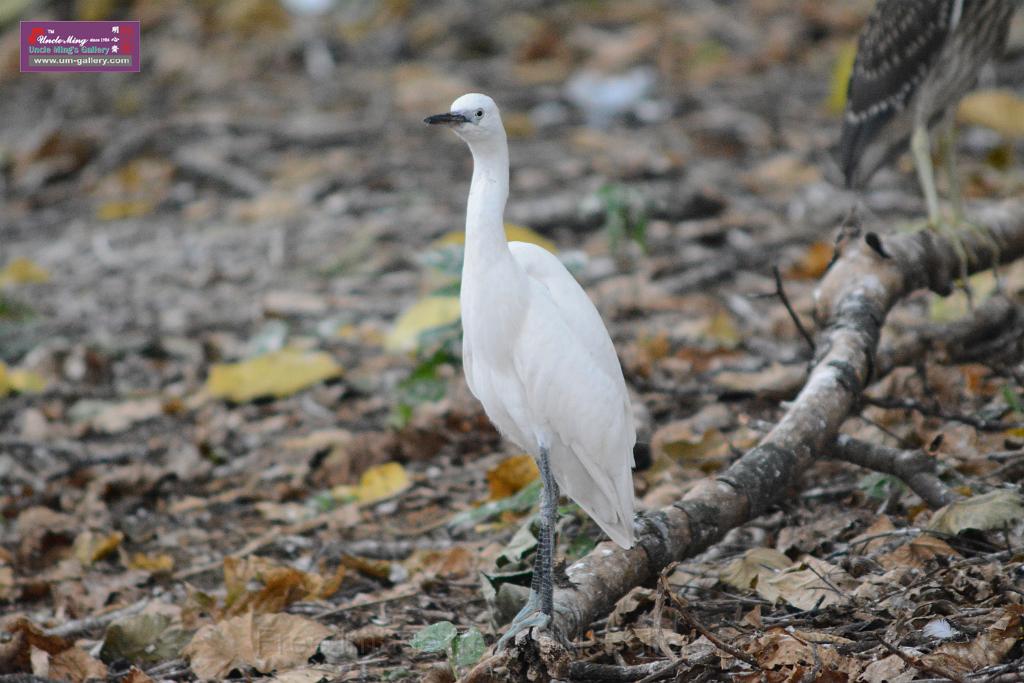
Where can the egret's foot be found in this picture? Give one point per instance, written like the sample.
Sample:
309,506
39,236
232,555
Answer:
994,252
524,621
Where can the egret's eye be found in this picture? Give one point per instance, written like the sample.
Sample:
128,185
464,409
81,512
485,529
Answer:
479,113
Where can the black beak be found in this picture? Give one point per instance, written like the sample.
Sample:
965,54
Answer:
449,119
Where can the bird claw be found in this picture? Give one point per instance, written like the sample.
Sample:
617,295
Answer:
522,622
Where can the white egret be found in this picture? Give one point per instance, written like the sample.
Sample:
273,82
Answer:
538,357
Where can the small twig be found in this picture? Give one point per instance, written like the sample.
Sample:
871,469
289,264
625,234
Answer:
781,291
642,673
79,626
684,611
919,664
909,404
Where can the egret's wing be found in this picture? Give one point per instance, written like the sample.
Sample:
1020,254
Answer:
575,307
571,375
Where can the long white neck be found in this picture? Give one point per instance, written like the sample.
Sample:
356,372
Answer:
485,227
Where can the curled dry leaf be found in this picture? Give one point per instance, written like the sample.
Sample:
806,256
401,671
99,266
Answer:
988,649
256,584
263,642
811,583
991,510
75,665
753,567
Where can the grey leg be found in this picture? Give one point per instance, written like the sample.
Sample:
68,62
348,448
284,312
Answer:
539,607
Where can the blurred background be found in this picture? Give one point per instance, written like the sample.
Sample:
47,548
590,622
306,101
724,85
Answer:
228,283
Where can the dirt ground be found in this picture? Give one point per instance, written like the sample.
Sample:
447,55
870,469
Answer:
221,457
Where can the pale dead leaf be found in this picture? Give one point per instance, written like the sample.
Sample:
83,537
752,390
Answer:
917,553
891,669
758,564
376,483
1000,110
991,510
988,649
75,664
265,643
810,583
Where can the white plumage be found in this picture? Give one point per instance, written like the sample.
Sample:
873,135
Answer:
538,357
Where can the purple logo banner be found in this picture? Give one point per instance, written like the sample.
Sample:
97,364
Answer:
80,46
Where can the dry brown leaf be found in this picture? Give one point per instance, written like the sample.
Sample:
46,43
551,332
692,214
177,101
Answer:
777,381
264,643
370,637
76,665
988,649
259,585
813,263
990,510
452,563
136,675
891,669
753,567
917,553
809,584
511,475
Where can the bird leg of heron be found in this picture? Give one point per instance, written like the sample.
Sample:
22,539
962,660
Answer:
539,607
921,149
947,147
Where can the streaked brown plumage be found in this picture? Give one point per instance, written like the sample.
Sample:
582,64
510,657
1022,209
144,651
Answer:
915,60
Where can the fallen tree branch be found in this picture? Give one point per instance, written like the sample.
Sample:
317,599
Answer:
851,305
913,468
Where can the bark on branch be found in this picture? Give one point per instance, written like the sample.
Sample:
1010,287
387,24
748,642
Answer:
851,305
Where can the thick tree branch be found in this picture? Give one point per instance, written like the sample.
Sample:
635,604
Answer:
852,303
913,468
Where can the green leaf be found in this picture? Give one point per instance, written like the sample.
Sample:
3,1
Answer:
580,546
468,648
520,502
434,638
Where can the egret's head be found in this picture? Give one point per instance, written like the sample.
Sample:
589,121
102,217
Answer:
474,117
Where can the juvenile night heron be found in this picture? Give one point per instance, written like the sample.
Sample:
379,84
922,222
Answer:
539,359
915,60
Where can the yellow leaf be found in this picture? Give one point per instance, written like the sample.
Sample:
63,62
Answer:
425,314
382,481
377,483
280,373
5,382
90,547
511,475
944,309
157,563
22,271
1000,110
841,71
25,382
513,233
119,210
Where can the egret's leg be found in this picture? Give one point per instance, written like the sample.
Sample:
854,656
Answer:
539,607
